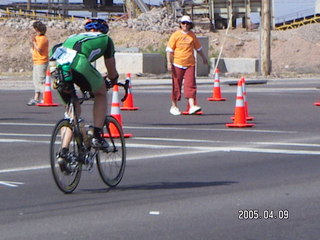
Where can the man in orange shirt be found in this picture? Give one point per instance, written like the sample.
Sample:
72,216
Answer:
181,61
40,58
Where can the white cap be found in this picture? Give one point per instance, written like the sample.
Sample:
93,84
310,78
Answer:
185,18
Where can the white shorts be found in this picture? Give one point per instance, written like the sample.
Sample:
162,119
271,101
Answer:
39,76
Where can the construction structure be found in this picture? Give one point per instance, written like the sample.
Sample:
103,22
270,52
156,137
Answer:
298,22
300,18
63,7
216,13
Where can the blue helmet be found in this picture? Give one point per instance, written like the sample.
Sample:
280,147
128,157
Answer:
96,24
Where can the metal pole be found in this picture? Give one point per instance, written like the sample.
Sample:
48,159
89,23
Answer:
265,37
273,15
29,5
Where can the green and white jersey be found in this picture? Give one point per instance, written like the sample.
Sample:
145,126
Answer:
91,44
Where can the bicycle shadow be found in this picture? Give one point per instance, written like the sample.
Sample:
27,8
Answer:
164,186
175,185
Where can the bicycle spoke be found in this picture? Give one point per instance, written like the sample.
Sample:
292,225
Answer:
66,175
111,164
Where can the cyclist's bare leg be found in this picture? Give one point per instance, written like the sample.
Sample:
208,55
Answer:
99,116
67,133
99,107
66,137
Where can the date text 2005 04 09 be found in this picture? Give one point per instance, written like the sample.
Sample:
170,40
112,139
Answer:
255,214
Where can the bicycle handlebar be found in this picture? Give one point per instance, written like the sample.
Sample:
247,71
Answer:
86,95
126,89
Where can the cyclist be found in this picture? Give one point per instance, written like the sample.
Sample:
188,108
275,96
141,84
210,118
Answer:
77,52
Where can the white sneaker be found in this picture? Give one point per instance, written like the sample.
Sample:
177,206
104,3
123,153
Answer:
175,111
194,109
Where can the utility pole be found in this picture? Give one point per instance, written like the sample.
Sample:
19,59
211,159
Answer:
265,62
247,20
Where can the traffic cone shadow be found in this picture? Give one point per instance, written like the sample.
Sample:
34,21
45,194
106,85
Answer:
216,91
47,94
128,104
239,111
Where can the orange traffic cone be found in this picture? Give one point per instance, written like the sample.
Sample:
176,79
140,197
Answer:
128,104
47,94
244,92
216,93
115,112
239,111
186,112
248,117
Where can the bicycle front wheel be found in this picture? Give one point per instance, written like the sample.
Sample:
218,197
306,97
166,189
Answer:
111,163
66,175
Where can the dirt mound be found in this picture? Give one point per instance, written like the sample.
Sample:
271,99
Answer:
293,52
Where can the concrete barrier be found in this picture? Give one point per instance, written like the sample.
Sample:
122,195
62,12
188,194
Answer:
235,65
132,62
155,63
201,69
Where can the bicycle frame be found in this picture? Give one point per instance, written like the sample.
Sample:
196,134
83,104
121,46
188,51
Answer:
72,115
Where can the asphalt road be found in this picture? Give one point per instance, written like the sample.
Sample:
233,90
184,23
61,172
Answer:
187,177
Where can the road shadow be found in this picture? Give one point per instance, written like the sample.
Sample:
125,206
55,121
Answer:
175,185
164,185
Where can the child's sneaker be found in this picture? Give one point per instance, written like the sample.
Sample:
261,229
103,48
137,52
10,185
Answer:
33,102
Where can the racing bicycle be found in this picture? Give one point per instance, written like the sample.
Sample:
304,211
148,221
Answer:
81,156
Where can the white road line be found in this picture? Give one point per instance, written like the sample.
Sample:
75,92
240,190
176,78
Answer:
187,151
252,90
211,129
8,140
231,149
11,140
25,134
22,169
228,142
10,184
27,124
151,156
165,128
275,151
137,145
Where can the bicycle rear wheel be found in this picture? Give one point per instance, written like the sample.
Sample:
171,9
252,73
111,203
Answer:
66,175
111,164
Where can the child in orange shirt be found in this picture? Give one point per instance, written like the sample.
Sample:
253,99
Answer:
40,58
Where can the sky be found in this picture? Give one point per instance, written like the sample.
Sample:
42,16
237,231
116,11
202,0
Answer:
292,8
283,9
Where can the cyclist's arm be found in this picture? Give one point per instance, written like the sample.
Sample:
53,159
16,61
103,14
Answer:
110,62
111,68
